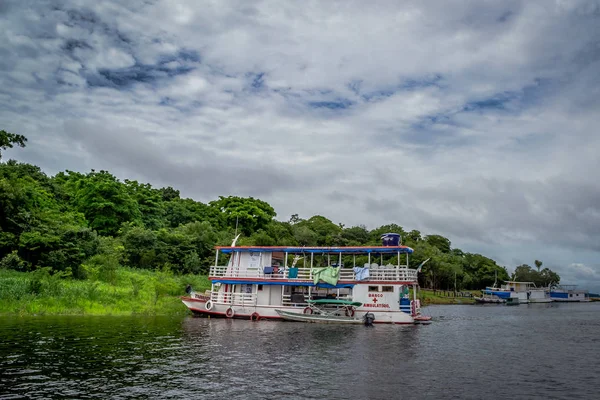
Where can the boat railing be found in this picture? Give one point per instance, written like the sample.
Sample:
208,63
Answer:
234,299
306,274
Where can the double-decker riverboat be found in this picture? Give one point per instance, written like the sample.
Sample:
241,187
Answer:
273,282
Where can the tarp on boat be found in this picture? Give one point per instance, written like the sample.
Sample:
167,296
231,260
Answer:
328,275
335,302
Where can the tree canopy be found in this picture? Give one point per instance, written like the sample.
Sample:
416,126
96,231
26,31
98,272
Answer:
9,140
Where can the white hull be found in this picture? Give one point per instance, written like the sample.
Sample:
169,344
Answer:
270,311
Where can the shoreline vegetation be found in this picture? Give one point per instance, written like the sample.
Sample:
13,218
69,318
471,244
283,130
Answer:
90,243
127,292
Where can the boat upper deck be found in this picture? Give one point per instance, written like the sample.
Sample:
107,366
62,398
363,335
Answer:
375,273
388,263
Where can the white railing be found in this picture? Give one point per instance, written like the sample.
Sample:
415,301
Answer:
235,299
306,274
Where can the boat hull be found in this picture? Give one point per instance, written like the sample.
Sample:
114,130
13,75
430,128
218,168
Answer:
202,307
318,318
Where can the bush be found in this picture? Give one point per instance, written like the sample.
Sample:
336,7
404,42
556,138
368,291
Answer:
14,262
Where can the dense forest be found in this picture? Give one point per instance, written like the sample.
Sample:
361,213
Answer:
78,225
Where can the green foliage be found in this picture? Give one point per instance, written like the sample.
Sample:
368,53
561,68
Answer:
543,278
105,202
14,262
149,202
320,230
135,292
248,213
439,242
9,140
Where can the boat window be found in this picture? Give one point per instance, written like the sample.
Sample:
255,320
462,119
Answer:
373,288
260,287
387,288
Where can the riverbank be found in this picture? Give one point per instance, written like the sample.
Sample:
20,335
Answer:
429,297
129,292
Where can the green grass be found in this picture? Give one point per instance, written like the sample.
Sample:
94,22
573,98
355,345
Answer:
428,297
132,292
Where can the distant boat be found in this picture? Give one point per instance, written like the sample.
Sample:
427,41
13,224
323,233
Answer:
568,293
526,292
489,299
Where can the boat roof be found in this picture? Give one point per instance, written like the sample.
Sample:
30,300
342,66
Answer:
316,250
335,301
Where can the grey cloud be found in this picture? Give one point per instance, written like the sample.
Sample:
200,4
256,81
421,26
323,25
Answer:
202,173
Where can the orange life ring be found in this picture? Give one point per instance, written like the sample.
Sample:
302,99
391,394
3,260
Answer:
255,317
349,312
308,310
229,313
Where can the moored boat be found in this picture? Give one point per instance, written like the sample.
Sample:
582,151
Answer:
526,292
568,293
270,282
489,299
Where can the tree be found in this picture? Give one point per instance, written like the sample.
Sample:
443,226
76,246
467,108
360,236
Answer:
105,202
538,264
248,213
9,140
440,242
149,201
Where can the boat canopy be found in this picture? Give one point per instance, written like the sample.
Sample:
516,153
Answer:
335,302
316,250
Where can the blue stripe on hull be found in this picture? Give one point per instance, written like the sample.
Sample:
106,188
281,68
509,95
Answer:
501,294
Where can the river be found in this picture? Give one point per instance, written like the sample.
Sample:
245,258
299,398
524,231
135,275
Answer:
545,351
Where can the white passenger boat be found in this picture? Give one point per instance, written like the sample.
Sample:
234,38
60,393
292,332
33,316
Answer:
270,282
526,292
568,293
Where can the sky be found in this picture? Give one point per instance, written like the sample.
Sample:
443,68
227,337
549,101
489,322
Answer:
475,120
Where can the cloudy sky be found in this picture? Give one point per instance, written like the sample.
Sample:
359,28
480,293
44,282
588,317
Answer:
475,120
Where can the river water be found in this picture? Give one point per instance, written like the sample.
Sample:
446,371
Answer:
548,351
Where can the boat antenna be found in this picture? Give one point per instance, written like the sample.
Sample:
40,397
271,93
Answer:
236,224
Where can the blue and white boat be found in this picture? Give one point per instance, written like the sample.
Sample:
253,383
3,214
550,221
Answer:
526,292
568,293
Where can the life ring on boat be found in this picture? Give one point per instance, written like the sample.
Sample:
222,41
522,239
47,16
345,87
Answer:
255,317
349,312
208,305
229,313
308,310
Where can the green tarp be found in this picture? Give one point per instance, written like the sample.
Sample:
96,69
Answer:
329,275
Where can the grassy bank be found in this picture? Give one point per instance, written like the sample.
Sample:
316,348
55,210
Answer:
429,297
127,292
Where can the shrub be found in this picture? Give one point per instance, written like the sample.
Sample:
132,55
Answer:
14,262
